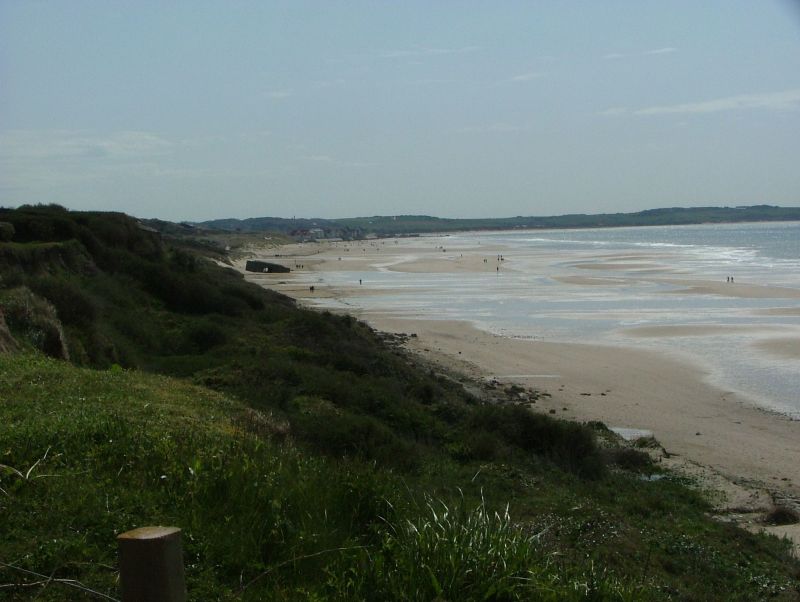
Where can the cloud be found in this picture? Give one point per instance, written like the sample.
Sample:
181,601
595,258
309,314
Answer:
76,144
613,56
333,161
32,159
772,101
435,81
526,77
493,128
277,94
666,50
131,144
611,111
327,83
418,51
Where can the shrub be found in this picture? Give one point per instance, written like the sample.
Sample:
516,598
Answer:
480,445
183,261
342,435
6,231
35,321
782,515
73,305
245,292
118,231
34,258
648,442
629,459
569,445
41,226
203,335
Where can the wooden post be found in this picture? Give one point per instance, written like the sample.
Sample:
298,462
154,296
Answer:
151,565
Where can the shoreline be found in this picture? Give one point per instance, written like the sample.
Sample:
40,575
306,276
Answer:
746,454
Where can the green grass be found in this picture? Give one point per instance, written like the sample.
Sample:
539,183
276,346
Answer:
303,457
464,553
89,454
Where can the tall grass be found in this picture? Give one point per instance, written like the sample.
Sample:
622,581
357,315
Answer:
463,553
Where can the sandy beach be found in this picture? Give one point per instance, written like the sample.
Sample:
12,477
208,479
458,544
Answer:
747,454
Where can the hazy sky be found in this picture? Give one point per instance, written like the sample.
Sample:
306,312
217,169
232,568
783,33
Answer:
197,110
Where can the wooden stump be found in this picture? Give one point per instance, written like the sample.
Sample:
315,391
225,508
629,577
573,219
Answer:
151,565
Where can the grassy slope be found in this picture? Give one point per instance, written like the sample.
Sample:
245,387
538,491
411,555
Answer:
327,439
100,452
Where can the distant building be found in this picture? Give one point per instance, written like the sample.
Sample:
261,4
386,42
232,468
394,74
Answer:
264,267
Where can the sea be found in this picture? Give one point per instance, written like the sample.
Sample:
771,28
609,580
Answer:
637,287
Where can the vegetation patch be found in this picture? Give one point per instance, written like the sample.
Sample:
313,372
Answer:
303,458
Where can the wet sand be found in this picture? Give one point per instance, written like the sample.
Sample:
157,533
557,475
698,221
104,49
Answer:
783,347
751,456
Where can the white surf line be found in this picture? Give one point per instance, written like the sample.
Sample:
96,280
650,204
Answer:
384,266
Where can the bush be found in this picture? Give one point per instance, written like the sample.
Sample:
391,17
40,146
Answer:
73,305
35,258
41,226
342,435
567,444
118,231
34,320
628,458
6,231
782,515
203,335
245,292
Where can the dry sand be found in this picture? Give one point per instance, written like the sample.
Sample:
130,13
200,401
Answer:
747,455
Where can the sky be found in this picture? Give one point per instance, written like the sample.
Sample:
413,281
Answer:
193,110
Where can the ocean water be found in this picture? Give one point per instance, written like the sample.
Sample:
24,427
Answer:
620,286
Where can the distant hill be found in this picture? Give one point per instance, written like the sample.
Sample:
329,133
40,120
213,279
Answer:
360,227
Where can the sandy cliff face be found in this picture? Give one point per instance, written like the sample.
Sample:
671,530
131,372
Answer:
7,342
37,319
